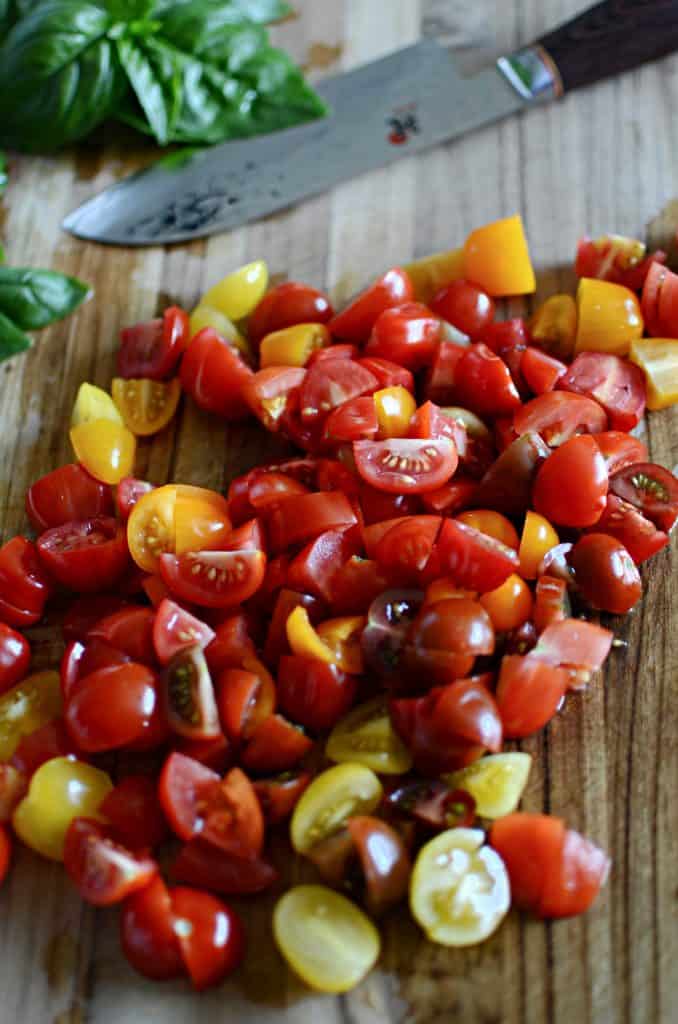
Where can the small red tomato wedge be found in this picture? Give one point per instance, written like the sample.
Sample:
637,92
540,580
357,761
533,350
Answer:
201,864
354,420
529,693
267,392
104,871
211,936
574,642
65,495
405,549
147,934
129,630
620,450
313,693
356,321
214,579
299,519
559,415
652,489
332,382
616,384
405,465
275,746
215,376
473,559
638,534
188,696
86,556
175,629
153,349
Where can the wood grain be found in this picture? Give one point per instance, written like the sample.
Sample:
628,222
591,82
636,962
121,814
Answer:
599,160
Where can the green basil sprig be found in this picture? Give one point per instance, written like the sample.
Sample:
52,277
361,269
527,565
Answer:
31,299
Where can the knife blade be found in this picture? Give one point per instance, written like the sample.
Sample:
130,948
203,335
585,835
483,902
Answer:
406,102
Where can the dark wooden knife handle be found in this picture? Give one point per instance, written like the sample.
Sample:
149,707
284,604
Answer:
610,38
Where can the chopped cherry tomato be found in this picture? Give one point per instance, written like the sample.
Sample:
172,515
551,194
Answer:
483,383
300,518
616,258
66,494
85,556
540,371
407,335
473,559
153,349
574,642
175,629
466,306
127,494
104,871
105,449
388,374
313,693
384,861
268,393
24,583
329,384
529,693
608,317
557,417
659,302
440,377
314,568
510,605
129,630
275,746
554,326
356,585
146,405
214,579
245,698
293,346
605,573
638,534
285,305
112,707
188,696
214,375
211,936
616,384
405,465
433,803
445,637
652,489
496,257
620,450
507,484
134,814
571,486
353,420
147,933
279,795
551,602
356,321
206,866
15,657
231,643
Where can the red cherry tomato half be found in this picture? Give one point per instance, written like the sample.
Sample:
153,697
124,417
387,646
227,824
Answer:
204,865
356,321
388,374
314,568
153,349
483,383
80,660
299,519
571,486
268,393
405,465
24,583
406,548
175,629
231,643
214,375
540,371
104,871
617,259
616,384
407,335
275,746
269,488
529,693
574,642
313,693
129,630
329,384
285,305
15,657
558,416
652,489
86,556
214,579
466,306
134,814
638,534
113,707
605,573
147,933
440,377
66,494
127,494
279,795
211,936
245,699
354,420
474,560
620,450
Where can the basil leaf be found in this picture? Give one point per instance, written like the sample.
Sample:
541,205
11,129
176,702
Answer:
156,80
260,12
12,340
59,75
36,298
3,173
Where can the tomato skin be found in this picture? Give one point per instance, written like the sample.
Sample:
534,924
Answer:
275,746
104,872
15,657
483,383
429,464
570,488
628,525
212,939
231,643
278,795
5,853
25,586
529,693
352,420
224,579
615,383
245,699
153,349
203,865
558,416
85,556
66,494
285,305
175,629
445,637
147,934
214,375
652,489
329,384
540,371
313,693
314,568
620,450
466,306
299,519
574,642
441,375
407,335
356,321
605,573
112,707
133,812
129,630
474,560
584,868
387,373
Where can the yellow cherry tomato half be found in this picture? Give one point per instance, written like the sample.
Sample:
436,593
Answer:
459,889
237,294
342,637
206,316
61,789
497,259
293,346
395,407
537,538
334,796
553,326
93,403
303,638
201,520
146,405
32,703
430,274
492,524
658,357
608,317
328,941
106,449
150,527
366,736
495,782
509,605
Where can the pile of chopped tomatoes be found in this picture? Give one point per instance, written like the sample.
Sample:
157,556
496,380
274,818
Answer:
343,644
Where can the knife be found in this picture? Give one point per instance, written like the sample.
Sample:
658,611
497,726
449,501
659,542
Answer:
396,106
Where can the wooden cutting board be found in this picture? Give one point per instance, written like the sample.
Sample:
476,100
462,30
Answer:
602,160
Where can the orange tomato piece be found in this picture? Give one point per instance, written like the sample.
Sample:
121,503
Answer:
537,538
150,527
395,407
342,637
492,524
146,405
509,605
293,346
608,317
496,257
106,449
201,520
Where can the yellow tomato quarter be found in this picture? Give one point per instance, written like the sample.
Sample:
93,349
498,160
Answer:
497,259
366,736
237,294
93,403
334,796
658,357
496,782
105,448
608,317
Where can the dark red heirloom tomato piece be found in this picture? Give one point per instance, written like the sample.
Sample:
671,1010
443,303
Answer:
201,864
551,602
628,525
540,371
329,384
313,569
407,335
285,305
211,936
405,465
49,741
298,519
147,933
133,812
104,871
384,861
127,494
440,377
473,559
651,488
313,693
356,321
214,375
529,693
129,630
112,707
85,612
15,657
574,642
620,449
66,494
383,638
483,383
606,574
405,549
616,384
444,639
388,374
571,486
214,579
153,349
559,415
353,420
24,583
466,306
267,393
275,746
245,699
583,870
86,556
279,795
175,629
188,696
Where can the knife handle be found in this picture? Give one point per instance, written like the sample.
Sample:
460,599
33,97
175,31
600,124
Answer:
610,38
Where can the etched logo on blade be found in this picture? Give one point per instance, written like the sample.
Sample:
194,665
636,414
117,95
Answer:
402,123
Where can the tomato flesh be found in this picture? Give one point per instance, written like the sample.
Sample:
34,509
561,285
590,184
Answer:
403,465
